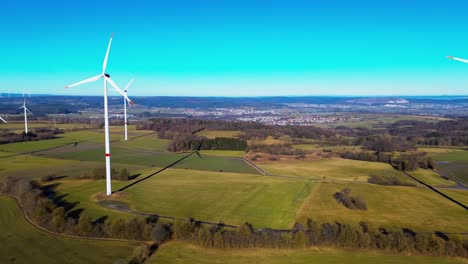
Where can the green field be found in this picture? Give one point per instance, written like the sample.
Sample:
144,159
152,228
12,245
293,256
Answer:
18,126
431,178
388,206
178,252
22,243
225,153
148,142
331,169
220,133
453,156
453,164
153,158
63,139
459,195
211,196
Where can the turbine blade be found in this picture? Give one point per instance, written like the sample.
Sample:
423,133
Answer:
104,64
3,120
128,84
457,59
28,111
112,83
92,79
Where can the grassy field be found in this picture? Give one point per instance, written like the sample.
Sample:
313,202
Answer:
415,208
431,178
154,159
453,156
226,153
318,147
18,126
22,243
84,192
178,252
453,164
227,197
220,133
29,166
63,139
331,169
147,142
459,195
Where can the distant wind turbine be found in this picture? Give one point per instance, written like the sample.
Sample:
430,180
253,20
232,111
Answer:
25,116
125,107
107,79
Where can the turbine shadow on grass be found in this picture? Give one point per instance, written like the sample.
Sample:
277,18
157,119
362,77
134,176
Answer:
157,172
59,199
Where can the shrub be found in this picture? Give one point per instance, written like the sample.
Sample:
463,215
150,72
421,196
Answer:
351,202
388,180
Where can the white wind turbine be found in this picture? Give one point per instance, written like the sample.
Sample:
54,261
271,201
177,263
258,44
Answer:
25,116
107,79
457,59
125,107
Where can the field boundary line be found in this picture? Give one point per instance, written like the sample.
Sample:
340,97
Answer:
437,191
311,196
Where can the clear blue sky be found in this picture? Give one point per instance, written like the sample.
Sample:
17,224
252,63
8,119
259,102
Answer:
237,48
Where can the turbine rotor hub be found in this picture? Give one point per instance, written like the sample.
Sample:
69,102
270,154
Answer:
107,75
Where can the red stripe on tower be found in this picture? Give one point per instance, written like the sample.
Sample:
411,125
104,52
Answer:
107,154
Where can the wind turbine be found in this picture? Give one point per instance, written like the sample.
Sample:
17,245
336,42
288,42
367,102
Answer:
125,107
106,77
457,59
25,116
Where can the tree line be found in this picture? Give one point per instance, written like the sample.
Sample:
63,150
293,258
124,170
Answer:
50,211
314,233
402,162
184,142
38,134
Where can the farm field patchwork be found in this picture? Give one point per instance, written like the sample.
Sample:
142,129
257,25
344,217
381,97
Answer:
23,243
157,159
388,206
179,252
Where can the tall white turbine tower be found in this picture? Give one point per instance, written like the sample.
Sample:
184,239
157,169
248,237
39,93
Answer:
125,107
107,79
25,116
